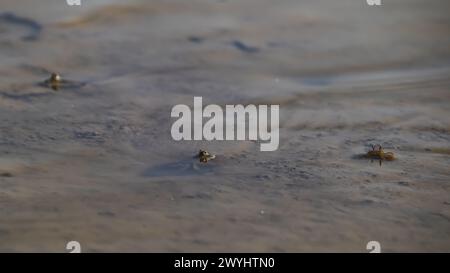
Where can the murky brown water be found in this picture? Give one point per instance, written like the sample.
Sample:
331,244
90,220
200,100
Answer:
96,163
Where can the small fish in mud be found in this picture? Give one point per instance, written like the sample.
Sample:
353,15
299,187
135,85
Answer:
56,82
205,156
377,152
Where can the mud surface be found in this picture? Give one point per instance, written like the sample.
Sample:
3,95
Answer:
97,164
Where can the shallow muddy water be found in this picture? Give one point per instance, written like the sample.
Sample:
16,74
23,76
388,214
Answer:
97,164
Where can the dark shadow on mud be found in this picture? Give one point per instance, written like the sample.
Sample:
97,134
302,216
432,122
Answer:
24,97
33,27
186,167
244,47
